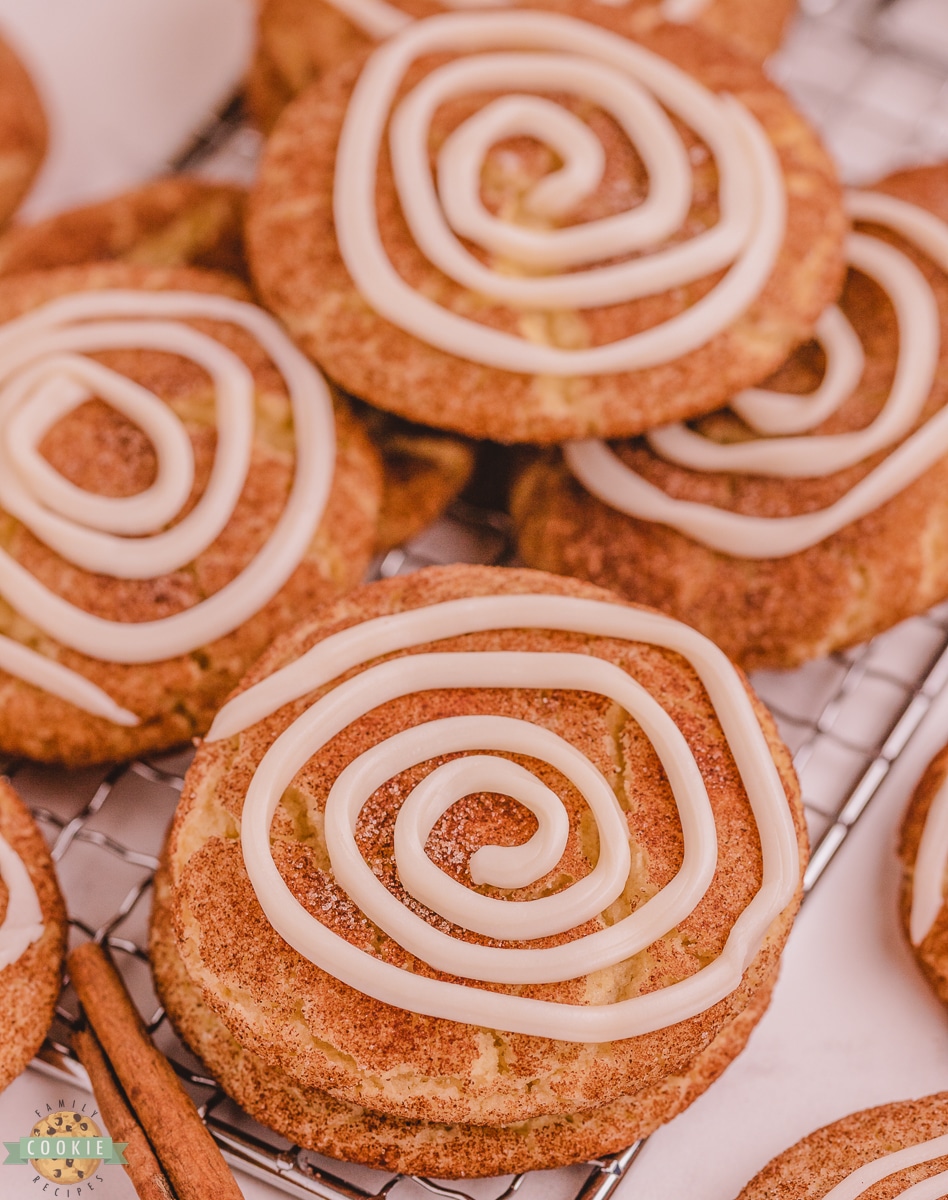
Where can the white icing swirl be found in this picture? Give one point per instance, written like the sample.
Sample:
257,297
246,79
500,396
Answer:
604,474
547,52
509,867
23,922
44,373
933,1188
928,875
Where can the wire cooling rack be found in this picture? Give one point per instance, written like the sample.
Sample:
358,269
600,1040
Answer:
873,76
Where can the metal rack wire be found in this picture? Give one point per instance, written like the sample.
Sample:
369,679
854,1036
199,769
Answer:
846,718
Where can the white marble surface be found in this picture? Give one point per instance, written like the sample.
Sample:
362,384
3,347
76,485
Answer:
852,1023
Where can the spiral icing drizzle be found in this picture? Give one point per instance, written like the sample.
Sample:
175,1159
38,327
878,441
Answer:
23,922
556,267
933,1188
783,450
44,374
509,866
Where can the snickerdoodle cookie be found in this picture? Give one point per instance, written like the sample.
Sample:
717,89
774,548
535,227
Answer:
644,228
887,1151
923,849
425,469
542,927
32,936
174,222
809,515
22,131
298,41
176,489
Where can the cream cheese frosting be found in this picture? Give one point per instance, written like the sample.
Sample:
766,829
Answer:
784,449
23,922
45,372
352,699
570,266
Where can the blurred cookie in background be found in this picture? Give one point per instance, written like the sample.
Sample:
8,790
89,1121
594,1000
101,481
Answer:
173,222
23,132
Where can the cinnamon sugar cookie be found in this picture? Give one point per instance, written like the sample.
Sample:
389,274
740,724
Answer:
317,1121
173,222
298,41
22,131
455,274
176,489
32,936
498,937
889,1151
809,516
425,469
923,849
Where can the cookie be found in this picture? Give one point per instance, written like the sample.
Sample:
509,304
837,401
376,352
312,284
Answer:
471,970
809,516
317,1121
173,222
923,849
32,936
150,551
511,301
298,41
887,1151
22,131
425,469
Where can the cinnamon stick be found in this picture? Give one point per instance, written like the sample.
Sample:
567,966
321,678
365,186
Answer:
144,1170
187,1152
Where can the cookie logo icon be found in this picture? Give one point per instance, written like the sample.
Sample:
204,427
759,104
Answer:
70,1127
66,1147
